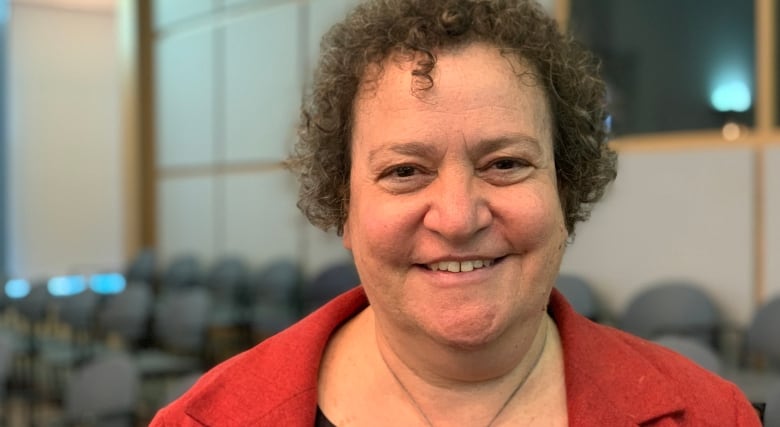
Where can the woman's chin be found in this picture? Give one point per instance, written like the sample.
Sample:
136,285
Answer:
467,333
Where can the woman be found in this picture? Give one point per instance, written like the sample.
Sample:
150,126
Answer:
454,145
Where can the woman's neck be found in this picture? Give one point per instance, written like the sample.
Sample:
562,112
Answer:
440,381
449,366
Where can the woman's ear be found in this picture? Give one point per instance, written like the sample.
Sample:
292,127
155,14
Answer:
346,237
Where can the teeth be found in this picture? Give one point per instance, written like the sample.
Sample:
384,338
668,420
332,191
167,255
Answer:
457,267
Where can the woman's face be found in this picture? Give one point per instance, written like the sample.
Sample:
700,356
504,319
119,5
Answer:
454,219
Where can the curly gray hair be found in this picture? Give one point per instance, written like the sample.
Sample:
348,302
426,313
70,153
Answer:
374,30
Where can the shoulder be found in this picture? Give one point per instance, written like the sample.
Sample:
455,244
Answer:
276,377
641,380
704,397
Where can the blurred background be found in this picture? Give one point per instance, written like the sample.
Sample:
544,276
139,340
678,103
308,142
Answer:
148,230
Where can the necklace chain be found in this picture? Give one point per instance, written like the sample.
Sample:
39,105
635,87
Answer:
500,410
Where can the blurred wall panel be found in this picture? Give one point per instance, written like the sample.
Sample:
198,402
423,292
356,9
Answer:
322,15
168,12
185,99
263,75
186,214
65,209
772,220
261,221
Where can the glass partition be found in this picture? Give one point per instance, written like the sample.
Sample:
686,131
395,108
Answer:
672,65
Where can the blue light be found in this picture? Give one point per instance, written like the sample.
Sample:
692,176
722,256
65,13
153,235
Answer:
107,283
732,96
17,288
62,286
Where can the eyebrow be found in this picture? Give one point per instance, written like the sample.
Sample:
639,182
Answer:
480,149
487,146
412,148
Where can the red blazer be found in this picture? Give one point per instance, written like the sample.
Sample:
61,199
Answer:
612,379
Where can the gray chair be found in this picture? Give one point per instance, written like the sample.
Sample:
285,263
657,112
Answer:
143,268
183,271
126,315
7,340
673,307
763,337
772,412
103,392
227,280
35,305
57,355
179,327
580,295
331,281
276,300
32,309
278,282
703,355
179,386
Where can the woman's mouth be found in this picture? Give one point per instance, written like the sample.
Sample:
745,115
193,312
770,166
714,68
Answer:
461,266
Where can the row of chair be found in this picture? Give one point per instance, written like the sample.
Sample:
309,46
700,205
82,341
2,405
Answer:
174,324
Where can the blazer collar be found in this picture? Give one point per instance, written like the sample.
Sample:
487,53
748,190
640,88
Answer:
608,381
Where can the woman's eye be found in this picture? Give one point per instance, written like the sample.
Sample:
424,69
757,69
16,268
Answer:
506,171
403,171
508,164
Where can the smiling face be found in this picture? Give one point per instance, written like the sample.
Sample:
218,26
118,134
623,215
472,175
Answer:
454,219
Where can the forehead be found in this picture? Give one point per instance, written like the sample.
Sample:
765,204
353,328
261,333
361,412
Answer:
476,81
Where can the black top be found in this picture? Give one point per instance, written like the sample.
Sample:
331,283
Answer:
322,420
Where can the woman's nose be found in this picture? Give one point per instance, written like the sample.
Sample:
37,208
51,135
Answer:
457,209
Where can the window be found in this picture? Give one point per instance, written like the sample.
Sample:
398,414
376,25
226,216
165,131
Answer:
672,65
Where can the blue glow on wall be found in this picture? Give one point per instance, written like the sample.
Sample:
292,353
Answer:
62,286
107,283
732,96
17,288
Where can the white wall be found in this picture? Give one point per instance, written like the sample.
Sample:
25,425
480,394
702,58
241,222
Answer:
684,214
64,165
772,220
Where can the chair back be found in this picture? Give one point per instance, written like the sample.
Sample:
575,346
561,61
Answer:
7,346
580,295
277,298
772,411
143,268
127,313
227,279
673,307
103,391
763,337
77,310
331,281
176,388
34,306
182,272
180,320
279,282
693,349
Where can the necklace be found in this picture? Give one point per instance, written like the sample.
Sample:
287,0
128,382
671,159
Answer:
500,410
